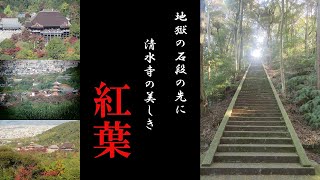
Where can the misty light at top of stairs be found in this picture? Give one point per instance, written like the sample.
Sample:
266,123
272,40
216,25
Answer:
256,53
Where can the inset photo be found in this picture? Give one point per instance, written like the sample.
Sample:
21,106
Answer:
39,89
38,33
40,149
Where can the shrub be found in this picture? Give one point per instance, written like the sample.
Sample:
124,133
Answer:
56,48
5,57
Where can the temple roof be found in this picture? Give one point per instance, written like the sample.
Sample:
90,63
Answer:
10,23
47,18
67,146
37,25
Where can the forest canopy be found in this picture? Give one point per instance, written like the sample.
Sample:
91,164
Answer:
69,8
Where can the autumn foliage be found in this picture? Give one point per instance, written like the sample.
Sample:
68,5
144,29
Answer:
24,173
27,45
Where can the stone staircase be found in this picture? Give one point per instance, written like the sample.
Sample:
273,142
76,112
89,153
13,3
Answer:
256,135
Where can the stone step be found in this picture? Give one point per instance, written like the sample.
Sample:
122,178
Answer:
256,79
254,128
237,110
256,169
256,104
258,86
247,93
255,134
256,148
257,97
240,96
257,114
255,140
262,97
257,123
257,83
256,157
254,101
259,89
255,92
252,107
255,118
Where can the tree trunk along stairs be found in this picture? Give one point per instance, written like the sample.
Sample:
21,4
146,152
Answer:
256,135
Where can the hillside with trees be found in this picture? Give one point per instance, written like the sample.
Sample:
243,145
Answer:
71,8
41,165
66,132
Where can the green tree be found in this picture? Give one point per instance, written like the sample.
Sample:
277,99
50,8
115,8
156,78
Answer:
76,46
7,44
318,45
32,8
75,13
75,30
26,54
64,8
5,57
56,48
7,11
2,6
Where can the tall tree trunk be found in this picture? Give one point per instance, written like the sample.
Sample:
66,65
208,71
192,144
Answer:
286,29
283,83
287,11
269,38
318,44
202,34
292,30
240,52
236,47
209,71
208,29
236,38
219,42
228,43
306,31
241,62
269,45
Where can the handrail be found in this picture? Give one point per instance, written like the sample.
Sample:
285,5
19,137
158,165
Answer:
207,161
304,161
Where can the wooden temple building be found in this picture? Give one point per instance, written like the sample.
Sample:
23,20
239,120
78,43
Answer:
49,24
10,24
